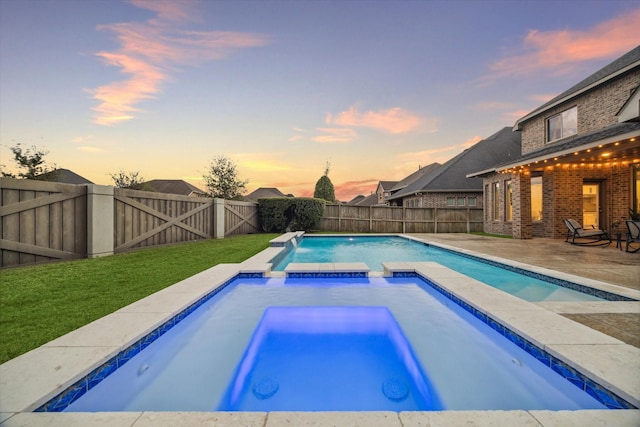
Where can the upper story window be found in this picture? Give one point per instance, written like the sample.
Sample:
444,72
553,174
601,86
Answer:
562,125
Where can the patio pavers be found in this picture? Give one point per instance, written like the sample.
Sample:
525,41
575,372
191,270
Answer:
608,264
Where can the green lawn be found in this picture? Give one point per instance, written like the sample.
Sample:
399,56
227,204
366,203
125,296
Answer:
40,303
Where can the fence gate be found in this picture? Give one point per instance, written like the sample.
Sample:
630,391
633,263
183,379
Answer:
144,218
240,218
41,221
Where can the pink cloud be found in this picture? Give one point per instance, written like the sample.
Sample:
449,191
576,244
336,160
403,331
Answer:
335,135
561,50
151,51
348,190
394,120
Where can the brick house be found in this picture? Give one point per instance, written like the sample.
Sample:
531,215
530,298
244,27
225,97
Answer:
580,158
447,185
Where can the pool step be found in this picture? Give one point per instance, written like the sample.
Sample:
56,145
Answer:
328,269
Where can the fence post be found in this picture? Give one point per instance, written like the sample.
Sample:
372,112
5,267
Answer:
435,219
218,218
100,220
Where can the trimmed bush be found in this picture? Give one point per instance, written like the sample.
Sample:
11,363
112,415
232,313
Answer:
281,214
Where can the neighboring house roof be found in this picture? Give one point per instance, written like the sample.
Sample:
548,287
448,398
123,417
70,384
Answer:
64,176
174,186
370,200
620,66
266,192
356,199
500,147
415,176
387,185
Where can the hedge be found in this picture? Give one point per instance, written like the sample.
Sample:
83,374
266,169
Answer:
281,214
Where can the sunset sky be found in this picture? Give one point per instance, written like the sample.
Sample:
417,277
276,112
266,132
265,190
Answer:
376,88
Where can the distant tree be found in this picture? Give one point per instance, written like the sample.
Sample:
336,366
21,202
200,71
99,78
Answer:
131,180
324,187
31,163
222,179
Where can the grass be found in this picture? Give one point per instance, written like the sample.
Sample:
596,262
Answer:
40,303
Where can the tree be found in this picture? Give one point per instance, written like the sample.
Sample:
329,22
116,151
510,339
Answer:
31,163
222,179
324,187
131,180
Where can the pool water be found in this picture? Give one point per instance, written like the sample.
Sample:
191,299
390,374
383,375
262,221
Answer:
328,358
374,250
261,341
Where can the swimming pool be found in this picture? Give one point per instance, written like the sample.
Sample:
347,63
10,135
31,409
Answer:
465,360
374,250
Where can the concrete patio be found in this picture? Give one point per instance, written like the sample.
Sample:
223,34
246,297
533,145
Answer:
607,264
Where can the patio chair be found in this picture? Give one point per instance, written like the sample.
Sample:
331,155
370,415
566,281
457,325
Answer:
633,236
585,236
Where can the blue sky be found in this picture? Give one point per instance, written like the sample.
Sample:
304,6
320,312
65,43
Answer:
376,88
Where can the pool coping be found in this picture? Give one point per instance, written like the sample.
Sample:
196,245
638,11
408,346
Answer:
61,362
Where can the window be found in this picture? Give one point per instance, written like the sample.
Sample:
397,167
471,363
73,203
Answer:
451,201
508,214
460,201
496,201
562,125
536,198
471,201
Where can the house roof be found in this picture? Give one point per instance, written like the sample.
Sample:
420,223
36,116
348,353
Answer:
64,176
500,147
266,192
387,185
174,186
356,199
599,142
370,200
625,63
415,176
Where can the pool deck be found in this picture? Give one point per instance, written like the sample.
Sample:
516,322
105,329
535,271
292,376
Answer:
35,377
608,264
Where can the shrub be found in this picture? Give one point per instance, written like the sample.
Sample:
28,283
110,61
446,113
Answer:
280,214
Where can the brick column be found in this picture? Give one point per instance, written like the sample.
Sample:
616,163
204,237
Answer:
522,228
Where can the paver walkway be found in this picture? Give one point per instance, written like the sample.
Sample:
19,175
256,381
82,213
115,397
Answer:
607,264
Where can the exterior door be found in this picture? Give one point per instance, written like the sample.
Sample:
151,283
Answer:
591,205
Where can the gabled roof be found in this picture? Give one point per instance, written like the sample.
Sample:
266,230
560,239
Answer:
500,147
356,199
63,176
266,192
415,176
174,186
370,200
625,63
387,185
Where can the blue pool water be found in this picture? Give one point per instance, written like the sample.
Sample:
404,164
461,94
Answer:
332,344
374,250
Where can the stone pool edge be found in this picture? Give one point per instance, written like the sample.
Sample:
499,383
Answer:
62,361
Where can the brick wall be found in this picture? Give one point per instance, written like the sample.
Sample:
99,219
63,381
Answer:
596,109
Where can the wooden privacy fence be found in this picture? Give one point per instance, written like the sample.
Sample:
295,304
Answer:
44,221
390,219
